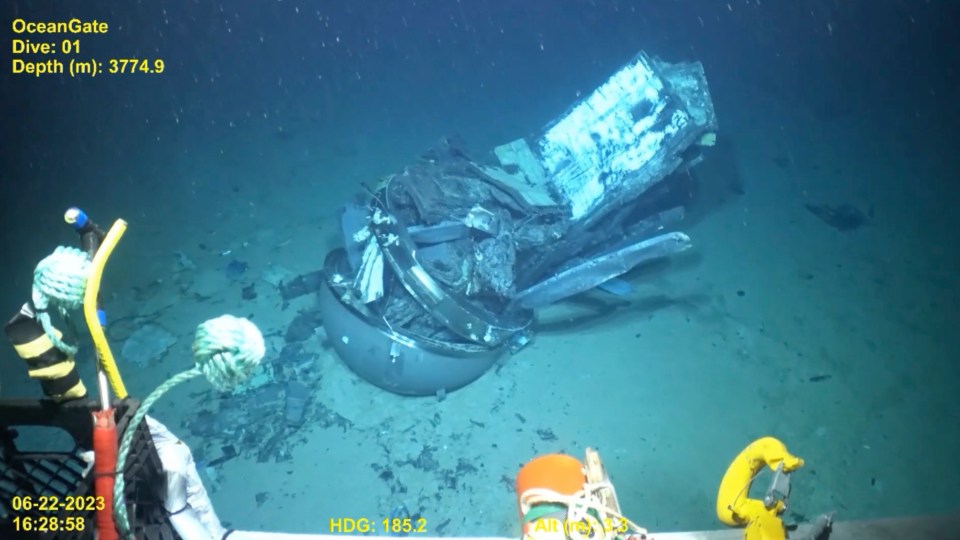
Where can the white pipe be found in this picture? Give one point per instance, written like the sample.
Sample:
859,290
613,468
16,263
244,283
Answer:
731,534
104,389
255,535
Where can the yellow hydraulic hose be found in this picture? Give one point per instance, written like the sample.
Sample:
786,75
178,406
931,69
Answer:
104,355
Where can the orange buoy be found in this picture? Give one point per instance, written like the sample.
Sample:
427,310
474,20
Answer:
557,472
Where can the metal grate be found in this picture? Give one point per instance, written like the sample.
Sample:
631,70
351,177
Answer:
37,474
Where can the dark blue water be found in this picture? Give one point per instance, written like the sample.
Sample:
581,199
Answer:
819,304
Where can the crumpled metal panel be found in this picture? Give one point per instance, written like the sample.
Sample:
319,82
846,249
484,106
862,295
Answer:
600,269
623,137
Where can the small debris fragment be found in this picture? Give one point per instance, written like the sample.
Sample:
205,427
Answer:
249,292
546,435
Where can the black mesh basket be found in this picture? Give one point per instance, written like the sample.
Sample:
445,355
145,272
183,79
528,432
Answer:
45,475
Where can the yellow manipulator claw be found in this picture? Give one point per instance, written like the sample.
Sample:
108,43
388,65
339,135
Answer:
735,508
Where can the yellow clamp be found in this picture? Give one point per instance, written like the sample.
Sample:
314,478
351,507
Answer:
105,356
736,509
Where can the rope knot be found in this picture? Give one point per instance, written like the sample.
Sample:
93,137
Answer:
59,280
227,349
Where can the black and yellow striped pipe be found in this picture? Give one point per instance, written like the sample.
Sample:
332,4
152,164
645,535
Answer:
52,368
